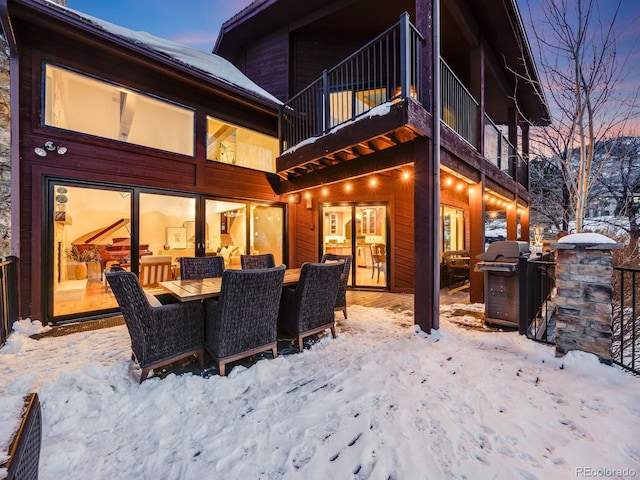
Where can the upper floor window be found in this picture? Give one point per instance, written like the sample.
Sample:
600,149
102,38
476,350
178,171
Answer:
84,104
228,143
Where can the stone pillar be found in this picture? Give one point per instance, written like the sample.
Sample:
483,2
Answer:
584,283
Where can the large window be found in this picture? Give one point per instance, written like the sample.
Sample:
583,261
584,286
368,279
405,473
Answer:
228,143
83,104
451,228
93,229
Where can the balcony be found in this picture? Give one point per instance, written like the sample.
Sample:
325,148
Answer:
460,113
372,101
368,90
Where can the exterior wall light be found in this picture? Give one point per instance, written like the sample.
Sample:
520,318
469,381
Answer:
50,146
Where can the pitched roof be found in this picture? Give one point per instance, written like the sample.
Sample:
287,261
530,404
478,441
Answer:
217,68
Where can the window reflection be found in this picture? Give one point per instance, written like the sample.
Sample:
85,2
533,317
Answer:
228,143
451,228
83,104
227,233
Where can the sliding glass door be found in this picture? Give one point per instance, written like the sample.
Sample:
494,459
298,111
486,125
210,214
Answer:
359,230
89,228
93,228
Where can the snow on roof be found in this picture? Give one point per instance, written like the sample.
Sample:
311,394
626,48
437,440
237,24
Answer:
209,63
590,238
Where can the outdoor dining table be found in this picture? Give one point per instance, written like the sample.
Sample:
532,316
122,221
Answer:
199,289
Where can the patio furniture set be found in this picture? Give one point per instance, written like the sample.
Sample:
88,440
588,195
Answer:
232,314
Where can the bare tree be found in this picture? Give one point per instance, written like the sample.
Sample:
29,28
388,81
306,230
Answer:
547,194
620,181
582,72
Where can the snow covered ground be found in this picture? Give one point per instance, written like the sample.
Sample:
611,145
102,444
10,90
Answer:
381,401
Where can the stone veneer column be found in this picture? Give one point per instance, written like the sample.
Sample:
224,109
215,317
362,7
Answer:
584,283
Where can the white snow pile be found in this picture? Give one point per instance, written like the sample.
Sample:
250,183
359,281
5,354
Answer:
381,401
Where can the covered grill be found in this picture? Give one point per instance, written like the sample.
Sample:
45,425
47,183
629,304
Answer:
504,265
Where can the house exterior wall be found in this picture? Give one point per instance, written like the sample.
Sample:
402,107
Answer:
392,190
93,159
268,62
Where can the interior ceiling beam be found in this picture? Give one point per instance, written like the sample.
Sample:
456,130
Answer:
128,103
219,136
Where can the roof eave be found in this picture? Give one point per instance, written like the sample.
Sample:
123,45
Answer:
67,18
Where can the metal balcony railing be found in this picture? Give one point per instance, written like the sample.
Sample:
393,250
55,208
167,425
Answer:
385,70
499,151
8,296
459,110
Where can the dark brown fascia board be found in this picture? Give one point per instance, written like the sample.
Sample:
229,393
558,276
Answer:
516,21
380,161
240,33
408,112
58,19
249,11
520,35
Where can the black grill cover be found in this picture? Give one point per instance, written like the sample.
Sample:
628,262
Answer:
504,251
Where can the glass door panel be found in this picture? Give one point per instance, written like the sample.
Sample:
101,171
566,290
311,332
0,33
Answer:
266,231
87,227
167,233
226,230
371,245
451,228
337,230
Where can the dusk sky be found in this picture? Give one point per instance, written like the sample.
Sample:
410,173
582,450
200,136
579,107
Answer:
196,24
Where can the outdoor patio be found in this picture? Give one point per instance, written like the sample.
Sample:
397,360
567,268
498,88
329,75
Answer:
379,401
471,317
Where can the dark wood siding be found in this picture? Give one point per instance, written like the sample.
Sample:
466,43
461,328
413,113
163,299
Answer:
395,192
94,159
312,53
267,63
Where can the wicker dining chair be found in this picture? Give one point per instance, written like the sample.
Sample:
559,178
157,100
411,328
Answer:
201,267
264,260
161,334
243,320
309,307
341,298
